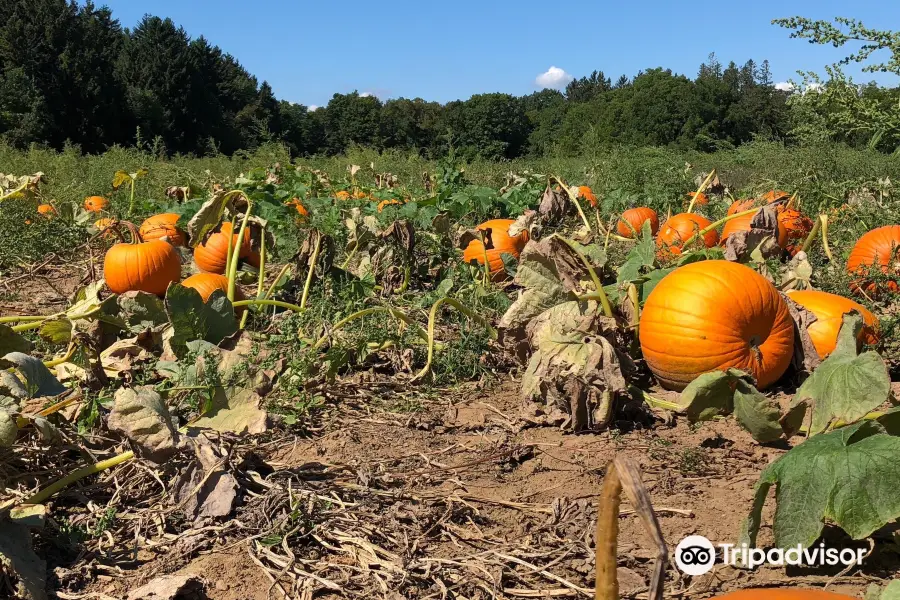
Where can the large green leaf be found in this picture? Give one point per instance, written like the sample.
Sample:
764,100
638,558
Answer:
140,310
846,386
39,381
193,320
641,256
849,476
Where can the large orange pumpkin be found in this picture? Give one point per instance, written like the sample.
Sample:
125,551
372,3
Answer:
798,227
95,203
207,283
141,267
830,310
783,594
501,243
712,315
740,206
212,255
680,228
586,193
743,224
164,225
879,247
633,219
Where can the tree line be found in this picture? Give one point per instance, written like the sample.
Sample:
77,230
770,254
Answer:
71,74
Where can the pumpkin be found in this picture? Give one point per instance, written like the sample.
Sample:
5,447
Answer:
95,203
207,283
501,243
702,199
878,247
46,209
783,594
830,310
342,195
775,195
743,224
384,203
212,255
586,193
798,227
740,206
633,219
360,195
141,266
101,224
163,226
712,315
680,228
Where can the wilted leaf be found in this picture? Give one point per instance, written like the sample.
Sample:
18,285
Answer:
205,489
8,429
18,558
208,217
845,386
10,341
806,357
849,476
122,355
762,239
39,381
120,179
141,310
142,416
528,222
798,273
554,205
193,320
757,413
234,410
47,430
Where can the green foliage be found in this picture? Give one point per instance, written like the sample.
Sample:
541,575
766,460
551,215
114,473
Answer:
845,30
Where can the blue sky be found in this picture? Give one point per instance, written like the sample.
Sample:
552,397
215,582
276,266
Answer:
445,51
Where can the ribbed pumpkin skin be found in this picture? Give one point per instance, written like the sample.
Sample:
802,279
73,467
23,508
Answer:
145,267
636,218
502,244
207,283
740,206
680,228
743,224
783,594
95,203
830,310
212,256
712,315
162,225
878,247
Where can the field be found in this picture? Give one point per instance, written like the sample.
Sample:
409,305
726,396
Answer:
407,378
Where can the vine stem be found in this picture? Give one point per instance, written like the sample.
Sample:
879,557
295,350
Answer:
432,323
812,235
262,277
312,271
267,302
636,303
487,266
236,253
38,324
711,226
271,289
601,294
574,199
661,404
45,494
131,201
790,201
373,311
823,218
22,319
701,189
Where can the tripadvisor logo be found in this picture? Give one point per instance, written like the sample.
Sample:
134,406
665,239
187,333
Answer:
696,555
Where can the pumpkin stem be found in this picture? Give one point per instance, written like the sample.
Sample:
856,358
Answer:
812,236
601,293
487,268
432,322
700,190
312,270
45,494
790,201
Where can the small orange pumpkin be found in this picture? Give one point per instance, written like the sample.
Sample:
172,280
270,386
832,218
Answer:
301,210
680,228
743,224
388,202
830,310
164,225
360,195
775,195
586,193
212,255
633,219
798,227
95,203
879,247
740,206
207,283
702,199
141,266
501,243
46,209
712,315
342,195
783,594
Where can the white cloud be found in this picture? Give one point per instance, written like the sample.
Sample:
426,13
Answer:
312,107
814,86
554,78
365,95
784,86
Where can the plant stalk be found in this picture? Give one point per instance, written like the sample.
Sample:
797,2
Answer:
314,259
604,300
812,236
45,494
701,189
236,253
432,323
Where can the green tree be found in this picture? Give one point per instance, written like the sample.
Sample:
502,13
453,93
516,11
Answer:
352,119
491,126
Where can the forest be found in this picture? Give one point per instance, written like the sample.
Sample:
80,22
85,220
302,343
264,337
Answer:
73,75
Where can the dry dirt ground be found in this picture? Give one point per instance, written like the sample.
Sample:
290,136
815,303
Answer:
465,498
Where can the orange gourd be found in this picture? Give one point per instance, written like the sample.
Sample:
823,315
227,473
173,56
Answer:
586,193
743,224
141,266
783,594
212,255
384,203
830,310
702,199
712,315
164,225
46,209
95,203
360,195
740,206
342,195
501,243
775,195
207,283
680,228
798,227
877,248
633,219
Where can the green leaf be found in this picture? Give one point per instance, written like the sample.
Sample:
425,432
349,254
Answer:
207,217
120,179
39,381
846,386
193,320
641,255
8,429
57,331
234,410
140,310
10,341
849,476
889,592
757,413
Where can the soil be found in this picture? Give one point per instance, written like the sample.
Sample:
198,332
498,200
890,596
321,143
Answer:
479,447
